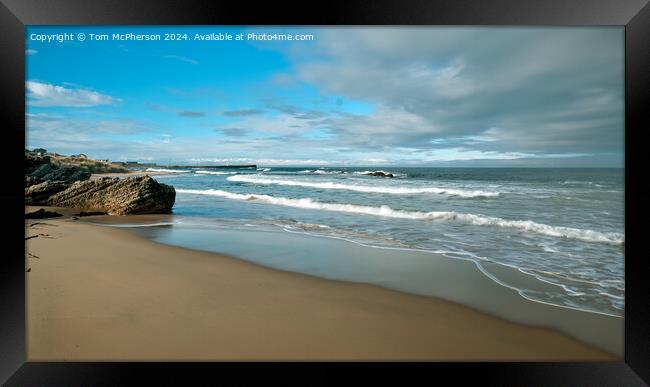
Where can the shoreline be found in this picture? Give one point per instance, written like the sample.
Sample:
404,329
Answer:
480,287
118,296
96,176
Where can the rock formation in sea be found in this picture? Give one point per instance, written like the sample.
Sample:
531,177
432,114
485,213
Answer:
380,174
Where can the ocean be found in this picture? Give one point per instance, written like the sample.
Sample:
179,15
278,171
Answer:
555,236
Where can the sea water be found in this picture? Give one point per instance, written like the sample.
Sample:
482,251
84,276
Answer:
560,230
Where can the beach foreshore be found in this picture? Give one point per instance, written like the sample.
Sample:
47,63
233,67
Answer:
96,176
101,293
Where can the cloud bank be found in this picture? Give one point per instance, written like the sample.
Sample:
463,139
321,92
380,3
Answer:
530,90
45,94
480,96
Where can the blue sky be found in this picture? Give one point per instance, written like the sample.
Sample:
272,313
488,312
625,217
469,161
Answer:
351,96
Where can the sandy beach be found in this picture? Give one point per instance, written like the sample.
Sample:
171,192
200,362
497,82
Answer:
100,293
439,194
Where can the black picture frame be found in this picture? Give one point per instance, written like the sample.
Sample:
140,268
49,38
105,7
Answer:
633,14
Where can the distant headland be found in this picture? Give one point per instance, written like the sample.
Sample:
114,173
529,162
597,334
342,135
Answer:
135,164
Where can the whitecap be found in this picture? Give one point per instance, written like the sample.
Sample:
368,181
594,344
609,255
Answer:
215,172
386,211
364,188
166,170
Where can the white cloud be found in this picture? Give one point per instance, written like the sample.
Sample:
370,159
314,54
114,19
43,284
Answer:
280,124
261,161
436,95
459,154
548,90
46,126
45,94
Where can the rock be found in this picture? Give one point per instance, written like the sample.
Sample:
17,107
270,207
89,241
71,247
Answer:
29,181
69,174
40,168
380,174
41,214
91,213
48,172
49,182
133,195
33,160
38,194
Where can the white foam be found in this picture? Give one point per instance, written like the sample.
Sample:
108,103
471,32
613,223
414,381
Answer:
478,265
364,188
215,172
264,169
385,211
547,248
166,170
322,172
574,182
135,225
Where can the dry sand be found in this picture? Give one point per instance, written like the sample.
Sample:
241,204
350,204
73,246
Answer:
100,293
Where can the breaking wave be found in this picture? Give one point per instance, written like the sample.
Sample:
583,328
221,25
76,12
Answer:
386,211
166,170
215,172
365,188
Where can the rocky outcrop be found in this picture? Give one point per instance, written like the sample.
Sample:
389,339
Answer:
50,172
49,182
39,168
33,159
133,195
39,194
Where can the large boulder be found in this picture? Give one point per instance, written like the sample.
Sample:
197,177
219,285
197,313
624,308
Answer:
39,194
133,195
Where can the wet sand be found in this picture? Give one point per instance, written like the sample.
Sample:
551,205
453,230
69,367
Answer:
100,293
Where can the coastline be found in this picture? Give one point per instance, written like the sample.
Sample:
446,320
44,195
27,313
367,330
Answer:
99,293
96,176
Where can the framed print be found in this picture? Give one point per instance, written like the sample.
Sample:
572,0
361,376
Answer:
441,186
